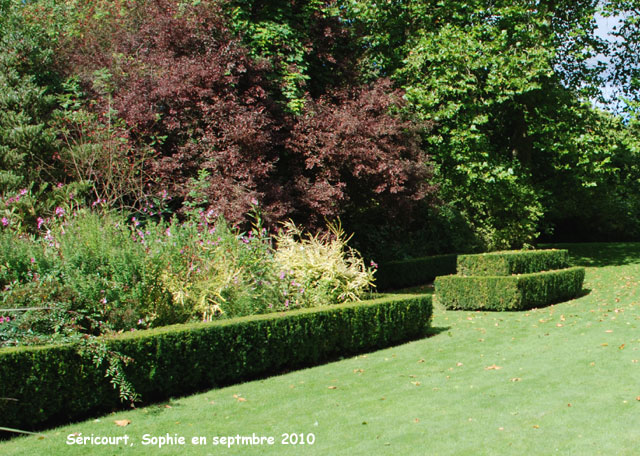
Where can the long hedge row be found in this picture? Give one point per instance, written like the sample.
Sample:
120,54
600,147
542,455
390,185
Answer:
54,384
414,271
513,292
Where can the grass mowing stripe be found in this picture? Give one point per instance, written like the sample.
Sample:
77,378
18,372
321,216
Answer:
560,380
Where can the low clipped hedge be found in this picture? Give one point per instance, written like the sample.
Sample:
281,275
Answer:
512,262
515,292
54,384
415,271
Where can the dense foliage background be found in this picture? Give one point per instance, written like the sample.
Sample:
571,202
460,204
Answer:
426,126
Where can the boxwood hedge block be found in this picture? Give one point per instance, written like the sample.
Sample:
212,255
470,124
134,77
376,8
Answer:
512,262
514,292
54,384
414,271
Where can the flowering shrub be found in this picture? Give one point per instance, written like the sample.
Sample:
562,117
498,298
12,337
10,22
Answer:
88,272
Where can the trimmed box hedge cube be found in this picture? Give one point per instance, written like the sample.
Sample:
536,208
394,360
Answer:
512,262
514,292
514,280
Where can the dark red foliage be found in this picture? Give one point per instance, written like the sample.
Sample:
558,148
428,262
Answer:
182,81
347,152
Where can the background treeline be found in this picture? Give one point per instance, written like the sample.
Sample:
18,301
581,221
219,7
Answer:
427,126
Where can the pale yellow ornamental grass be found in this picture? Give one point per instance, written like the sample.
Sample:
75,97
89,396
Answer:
323,265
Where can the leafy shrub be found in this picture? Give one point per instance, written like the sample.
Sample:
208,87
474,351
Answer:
347,152
54,384
320,268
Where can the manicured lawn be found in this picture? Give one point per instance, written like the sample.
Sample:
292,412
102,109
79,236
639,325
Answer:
558,380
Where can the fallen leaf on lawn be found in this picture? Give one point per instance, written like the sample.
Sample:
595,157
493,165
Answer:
416,420
292,386
605,344
76,434
332,387
212,402
167,406
421,360
412,376
242,399
535,426
416,383
609,331
459,364
122,422
621,347
568,405
638,398
561,317
634,360
492,367
358,371
559,325
516,379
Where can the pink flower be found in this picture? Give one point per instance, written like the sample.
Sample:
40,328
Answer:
40,222
23,191
5,221
59,211
374,264
33,260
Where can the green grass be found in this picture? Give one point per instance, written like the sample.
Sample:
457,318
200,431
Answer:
557,380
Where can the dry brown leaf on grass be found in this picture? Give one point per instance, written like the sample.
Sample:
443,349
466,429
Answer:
492,367
332,387
122,422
